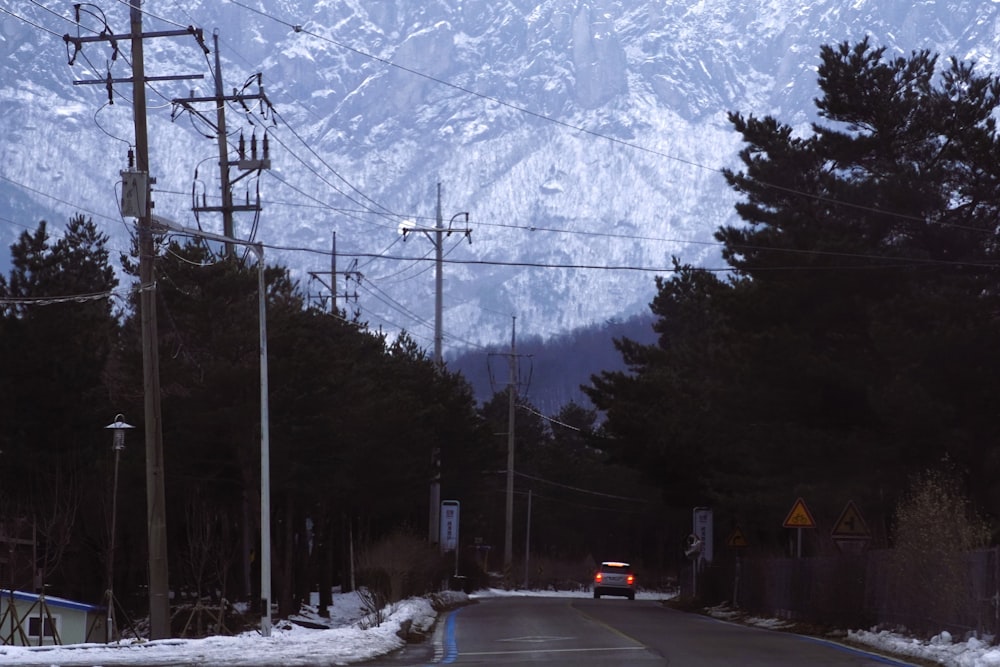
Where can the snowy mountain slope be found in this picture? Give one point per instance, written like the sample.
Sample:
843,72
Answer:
604,120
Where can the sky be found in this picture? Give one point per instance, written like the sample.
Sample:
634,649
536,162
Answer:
351,638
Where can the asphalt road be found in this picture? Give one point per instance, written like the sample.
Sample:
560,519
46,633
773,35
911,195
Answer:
613,632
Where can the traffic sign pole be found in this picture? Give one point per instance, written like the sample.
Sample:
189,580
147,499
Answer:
799,517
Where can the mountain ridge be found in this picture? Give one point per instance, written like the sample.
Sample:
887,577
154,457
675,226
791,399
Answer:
603,120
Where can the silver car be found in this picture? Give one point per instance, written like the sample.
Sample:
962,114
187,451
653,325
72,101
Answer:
614,578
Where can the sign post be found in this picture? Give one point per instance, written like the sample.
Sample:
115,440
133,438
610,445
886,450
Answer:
799,517
738,542
449,528
703,531
850,532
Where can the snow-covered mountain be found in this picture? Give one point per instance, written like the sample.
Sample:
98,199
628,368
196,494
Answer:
582,133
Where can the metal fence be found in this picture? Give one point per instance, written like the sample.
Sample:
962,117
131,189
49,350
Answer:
879,588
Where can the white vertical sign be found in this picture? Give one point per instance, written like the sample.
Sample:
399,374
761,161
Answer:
449,525
703,531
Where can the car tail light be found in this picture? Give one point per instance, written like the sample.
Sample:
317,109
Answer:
631,579
598,578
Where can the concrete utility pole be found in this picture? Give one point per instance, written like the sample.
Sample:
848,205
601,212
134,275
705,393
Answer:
436,234
434,520
438,281
165,224
220,116
508,543
159,588
137,202
351,273
248,165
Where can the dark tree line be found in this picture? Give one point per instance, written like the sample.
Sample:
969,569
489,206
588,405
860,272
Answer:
855,340
354,418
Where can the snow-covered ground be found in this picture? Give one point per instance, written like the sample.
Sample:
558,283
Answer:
351,636
942,649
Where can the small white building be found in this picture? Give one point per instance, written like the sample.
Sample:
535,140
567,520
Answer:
29,619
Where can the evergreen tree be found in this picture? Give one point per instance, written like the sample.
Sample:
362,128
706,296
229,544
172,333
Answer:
57,332
854,339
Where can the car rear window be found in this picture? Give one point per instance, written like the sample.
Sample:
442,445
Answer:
615,567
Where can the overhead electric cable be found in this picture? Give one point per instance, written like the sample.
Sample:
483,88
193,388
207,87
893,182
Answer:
886,262
281,180
54,198
580,490
386,212
387,300
146,12
57,14
50,300
32,24
528,408
395,305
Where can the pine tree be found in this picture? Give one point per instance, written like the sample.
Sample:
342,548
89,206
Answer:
855,336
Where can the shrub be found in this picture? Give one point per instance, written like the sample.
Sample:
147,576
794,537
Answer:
934,528
399,566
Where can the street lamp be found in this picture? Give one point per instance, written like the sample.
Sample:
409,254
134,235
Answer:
162,224
118,444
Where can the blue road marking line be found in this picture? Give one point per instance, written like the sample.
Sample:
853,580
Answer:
875,657
450,645
450,649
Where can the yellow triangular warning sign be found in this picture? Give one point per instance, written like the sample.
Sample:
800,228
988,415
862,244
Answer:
799,517
851,525
737,540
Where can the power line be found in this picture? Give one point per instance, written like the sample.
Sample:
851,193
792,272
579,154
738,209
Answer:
551,420
580,490
146,12
50,300
319,176
887,262
57,14
32,24
54,198
395,305
335,173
